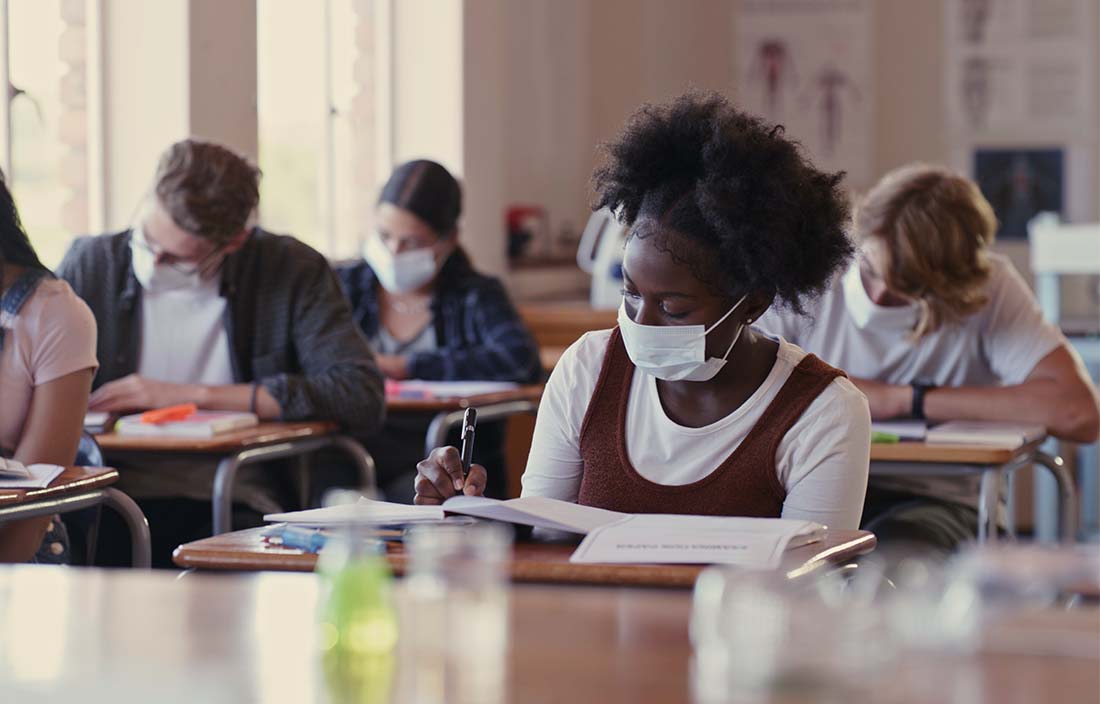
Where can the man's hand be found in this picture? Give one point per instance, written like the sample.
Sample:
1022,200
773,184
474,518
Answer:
136,393
886,400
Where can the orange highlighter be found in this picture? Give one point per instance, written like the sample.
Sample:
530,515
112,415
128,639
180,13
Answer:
169,414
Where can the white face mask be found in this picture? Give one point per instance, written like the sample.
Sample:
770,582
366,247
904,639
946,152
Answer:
400,273
158,277
674,352
865,313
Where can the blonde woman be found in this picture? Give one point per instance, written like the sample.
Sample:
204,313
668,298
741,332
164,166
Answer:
930,323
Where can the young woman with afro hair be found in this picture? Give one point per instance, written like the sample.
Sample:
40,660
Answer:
684,407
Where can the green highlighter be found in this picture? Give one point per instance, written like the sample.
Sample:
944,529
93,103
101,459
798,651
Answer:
884,438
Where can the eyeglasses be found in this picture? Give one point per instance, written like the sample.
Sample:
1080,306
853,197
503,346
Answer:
184,267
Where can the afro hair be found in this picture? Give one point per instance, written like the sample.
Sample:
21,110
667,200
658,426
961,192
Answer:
725,179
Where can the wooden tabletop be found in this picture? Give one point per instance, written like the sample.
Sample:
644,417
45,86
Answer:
234,441
71,481
531,392
912,451
122,636
246,550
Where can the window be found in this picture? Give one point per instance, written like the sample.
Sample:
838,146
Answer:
45,146
315,104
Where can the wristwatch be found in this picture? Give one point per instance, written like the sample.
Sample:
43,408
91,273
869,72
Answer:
919,390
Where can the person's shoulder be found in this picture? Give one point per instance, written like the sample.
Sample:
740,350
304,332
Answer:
1004,277
585,356
98,248
55,305
283,245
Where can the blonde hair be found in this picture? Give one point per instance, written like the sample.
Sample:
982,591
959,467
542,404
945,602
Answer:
937,228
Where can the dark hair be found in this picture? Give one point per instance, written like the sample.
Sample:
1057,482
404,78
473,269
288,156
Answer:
208,190
15,246
728,181
428,191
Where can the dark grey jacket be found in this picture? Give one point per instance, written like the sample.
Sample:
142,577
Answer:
289,325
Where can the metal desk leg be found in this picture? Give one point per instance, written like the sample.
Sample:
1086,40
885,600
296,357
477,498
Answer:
140,547
1067,494
226,473
989,498
364,463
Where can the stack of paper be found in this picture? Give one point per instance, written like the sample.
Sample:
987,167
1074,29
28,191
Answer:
15,475
901,429
201,424
992,434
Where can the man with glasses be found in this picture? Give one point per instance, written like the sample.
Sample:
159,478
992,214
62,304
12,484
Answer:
195,305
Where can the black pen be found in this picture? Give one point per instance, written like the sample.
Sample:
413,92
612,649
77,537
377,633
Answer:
469,422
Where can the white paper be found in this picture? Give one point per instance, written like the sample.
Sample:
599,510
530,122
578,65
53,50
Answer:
202,424
904,429
365,511
95,419
537,511
40,476
452,389
990,433
11,469
754,543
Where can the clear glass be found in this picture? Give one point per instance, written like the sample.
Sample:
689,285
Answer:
757,636
455,615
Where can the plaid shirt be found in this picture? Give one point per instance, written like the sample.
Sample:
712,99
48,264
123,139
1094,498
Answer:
288,325
479,333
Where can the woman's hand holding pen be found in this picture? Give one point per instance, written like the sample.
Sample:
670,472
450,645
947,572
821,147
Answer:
439,477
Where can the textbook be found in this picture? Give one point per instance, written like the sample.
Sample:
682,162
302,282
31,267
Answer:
200,424
16,475
989,433
901,429
610,536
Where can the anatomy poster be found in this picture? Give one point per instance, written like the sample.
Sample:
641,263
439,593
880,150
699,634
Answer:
808,65
1018,66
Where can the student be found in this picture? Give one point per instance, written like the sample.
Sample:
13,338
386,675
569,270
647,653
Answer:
47,359
196,306
429,315
931,324
684,407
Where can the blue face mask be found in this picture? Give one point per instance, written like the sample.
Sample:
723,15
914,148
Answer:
674,352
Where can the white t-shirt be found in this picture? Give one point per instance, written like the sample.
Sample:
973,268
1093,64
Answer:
183,337
821,462
998,345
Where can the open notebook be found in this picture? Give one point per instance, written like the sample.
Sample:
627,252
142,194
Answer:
610,536
16,475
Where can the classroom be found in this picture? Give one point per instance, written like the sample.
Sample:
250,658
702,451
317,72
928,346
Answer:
493,351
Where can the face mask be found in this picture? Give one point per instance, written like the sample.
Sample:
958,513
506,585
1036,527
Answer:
158,277
400,273
865,313
674,352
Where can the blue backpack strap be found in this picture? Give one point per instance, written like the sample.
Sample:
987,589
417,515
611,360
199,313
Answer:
18,294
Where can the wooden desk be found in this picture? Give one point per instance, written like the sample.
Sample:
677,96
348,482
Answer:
122,637
78,488
531,562
260,443
447,413
990,463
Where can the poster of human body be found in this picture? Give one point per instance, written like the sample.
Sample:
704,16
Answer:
808,65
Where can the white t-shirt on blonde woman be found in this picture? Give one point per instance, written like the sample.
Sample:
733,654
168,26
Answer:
53,335
821,461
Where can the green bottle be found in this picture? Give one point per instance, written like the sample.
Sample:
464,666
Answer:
358,620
